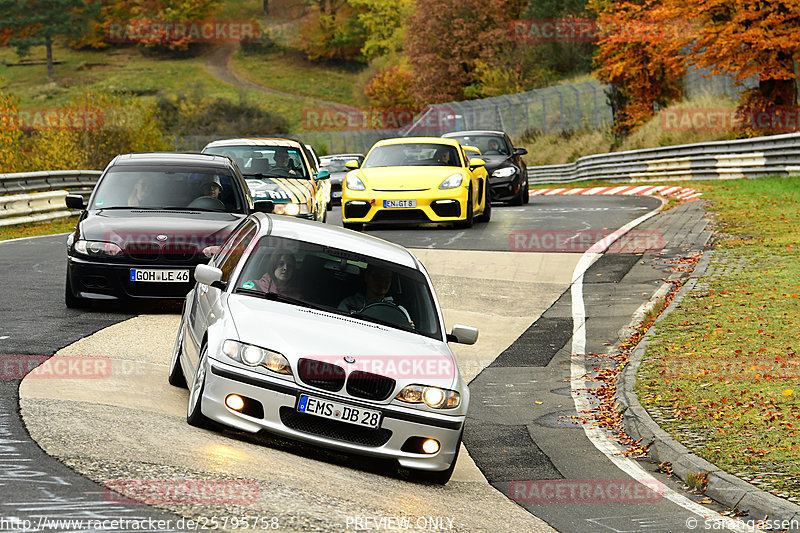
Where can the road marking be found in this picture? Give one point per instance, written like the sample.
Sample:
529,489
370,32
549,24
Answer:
579,391
4,337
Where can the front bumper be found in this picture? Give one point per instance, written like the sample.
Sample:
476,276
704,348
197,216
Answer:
433,205
505,189
95,280
278,398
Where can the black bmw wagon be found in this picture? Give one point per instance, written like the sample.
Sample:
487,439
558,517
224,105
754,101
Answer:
149,221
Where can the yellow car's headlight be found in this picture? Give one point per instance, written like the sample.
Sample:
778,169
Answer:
354,183
452,181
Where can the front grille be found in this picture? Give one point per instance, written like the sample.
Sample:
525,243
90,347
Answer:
369,386
156,253
400,215
355,211
447,208
143,251
333,429
320,374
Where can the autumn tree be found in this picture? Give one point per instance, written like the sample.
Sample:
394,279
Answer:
444,40
390,89
384,23
9,133
332,30
743,38
40,22
639,55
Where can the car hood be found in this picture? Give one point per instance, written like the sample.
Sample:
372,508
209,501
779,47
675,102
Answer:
301,332
128,226
281,190
494,162
410,178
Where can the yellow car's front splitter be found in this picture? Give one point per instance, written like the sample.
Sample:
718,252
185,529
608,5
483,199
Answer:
436,205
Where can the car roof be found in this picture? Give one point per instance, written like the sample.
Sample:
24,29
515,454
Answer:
172,158
409,140
336,237
256,141
473,132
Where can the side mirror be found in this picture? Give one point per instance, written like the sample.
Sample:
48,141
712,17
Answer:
75,201
463,334
520,151
264,206
207,275
476,162
352,164
323,175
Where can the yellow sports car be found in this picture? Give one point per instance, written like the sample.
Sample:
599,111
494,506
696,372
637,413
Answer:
416,179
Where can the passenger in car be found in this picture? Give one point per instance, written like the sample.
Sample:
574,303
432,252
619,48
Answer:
279,275
377,282
142,193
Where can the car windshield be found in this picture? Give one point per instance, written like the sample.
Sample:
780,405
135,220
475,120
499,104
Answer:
341,282
265,161
487,144
336,165
159,187
413,154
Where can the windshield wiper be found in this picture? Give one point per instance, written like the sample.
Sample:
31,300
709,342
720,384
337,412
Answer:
279,298
368,318
261,175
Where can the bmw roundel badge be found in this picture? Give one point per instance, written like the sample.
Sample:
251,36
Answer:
349,359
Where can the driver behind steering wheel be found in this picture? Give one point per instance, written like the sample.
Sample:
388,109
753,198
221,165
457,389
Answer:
377,282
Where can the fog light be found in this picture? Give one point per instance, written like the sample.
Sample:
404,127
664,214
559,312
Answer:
430,446
236,403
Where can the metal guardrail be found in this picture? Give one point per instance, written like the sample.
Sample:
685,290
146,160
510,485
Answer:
43,194
777,155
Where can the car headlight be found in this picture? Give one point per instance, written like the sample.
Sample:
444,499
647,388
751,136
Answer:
97,248
506,172
452,181
252,355
291,209
354,183
433,397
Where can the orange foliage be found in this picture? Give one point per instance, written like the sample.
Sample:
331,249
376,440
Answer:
9,134
391,89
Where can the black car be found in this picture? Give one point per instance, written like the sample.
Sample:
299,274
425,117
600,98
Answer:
149,221
335,164
508,173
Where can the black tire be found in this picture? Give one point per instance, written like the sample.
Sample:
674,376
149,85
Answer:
355,226
527,197
470,218
176,377
194,410
486,216
325,215
519,198
72,301
443,476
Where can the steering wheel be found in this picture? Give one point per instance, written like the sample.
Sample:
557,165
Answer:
387,312
208,202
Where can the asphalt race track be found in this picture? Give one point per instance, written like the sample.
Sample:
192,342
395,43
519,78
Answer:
512,278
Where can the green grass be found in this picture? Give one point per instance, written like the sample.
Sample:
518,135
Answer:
722,373
289,71
39,228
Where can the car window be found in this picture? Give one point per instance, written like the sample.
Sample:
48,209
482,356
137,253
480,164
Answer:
233,249
335,165
413,154
487,144
336,281
151,187
265,161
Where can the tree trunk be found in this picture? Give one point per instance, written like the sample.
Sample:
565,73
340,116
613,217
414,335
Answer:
48,43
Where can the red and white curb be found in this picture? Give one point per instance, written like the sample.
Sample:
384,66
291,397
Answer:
682,193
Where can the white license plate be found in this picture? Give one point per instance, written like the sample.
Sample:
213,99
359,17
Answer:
336,194
399,203
339,411
161,276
